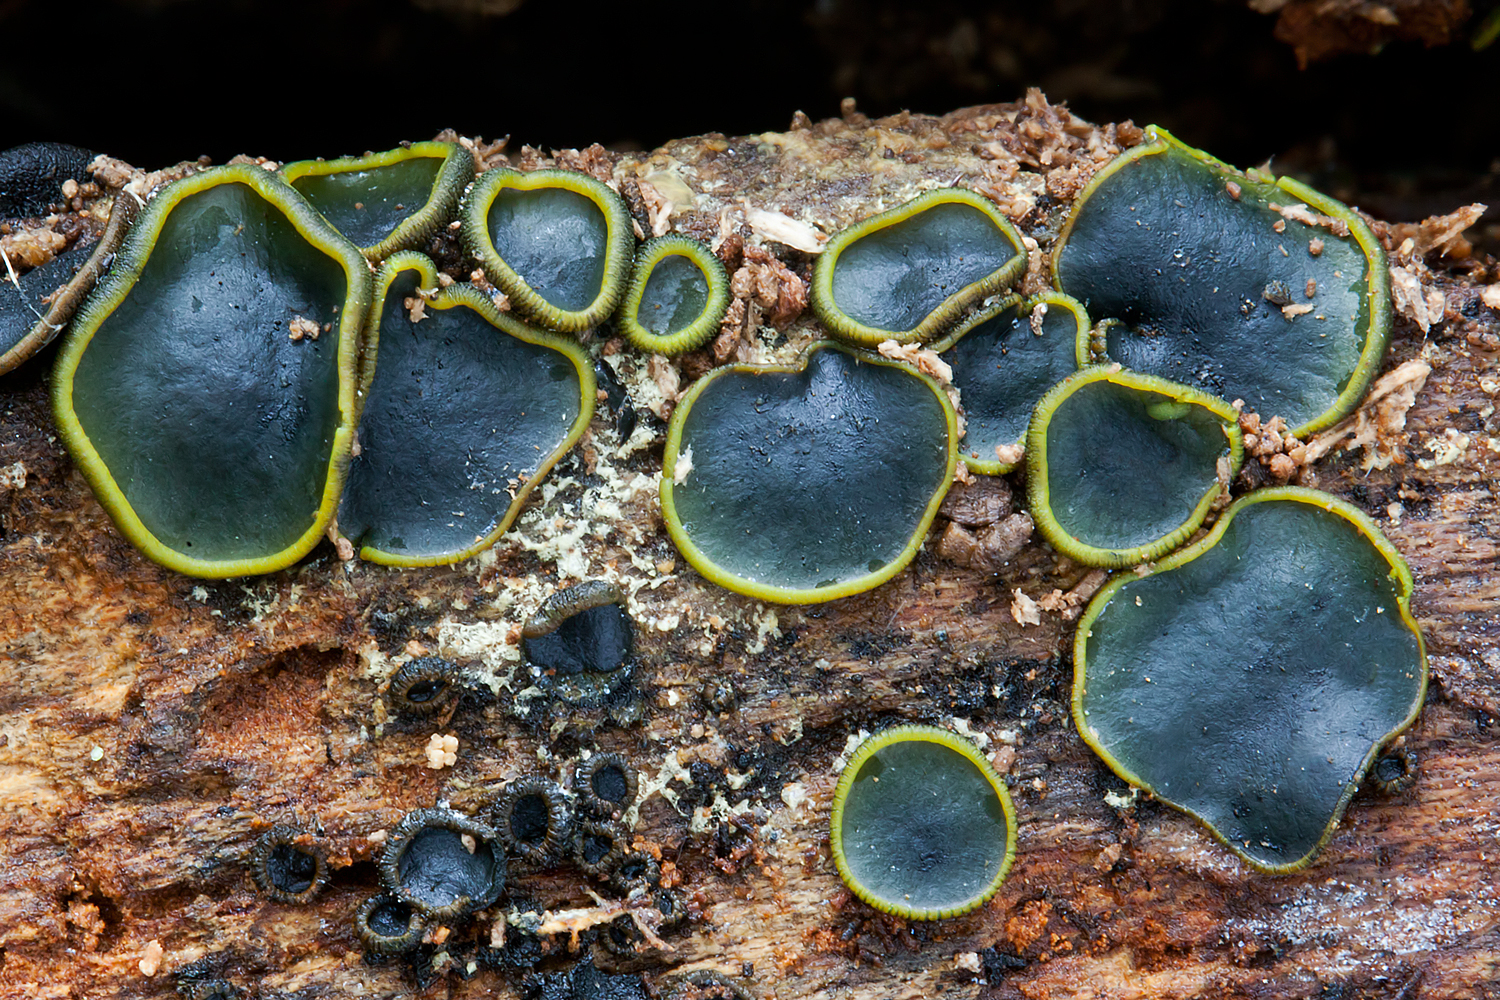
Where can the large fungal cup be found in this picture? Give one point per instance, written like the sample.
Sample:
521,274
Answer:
1252,678
467,411
1241,285
207,386
904,275
806,484
1122,467
922,826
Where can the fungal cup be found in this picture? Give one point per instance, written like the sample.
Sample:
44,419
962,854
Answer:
1251,679
922,826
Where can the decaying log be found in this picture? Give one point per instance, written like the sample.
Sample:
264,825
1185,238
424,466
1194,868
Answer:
152,725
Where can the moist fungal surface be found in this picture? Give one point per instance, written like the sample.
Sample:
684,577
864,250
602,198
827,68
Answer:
437,869
556,240
1221,291
901,274
214,413
1002,366
922,829
367,205
462,418
1251,680
807,484
1122,468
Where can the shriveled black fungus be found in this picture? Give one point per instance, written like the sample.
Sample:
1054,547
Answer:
636,870
442,863
579,642
284,871
584,982
1395,771
210,989
387,925
532,819
606,784
706,984
424,686
32,175
599,847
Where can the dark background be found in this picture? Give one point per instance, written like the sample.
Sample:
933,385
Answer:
1404,132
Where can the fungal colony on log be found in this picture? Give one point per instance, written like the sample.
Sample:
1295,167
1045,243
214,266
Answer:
269,359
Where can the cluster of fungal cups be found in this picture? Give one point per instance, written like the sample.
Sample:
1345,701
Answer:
1248,675
240,358
240,380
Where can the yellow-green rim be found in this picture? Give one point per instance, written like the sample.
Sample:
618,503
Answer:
797,595
846,328
1300,494
1377,272
696,333
619,242
961,746
112,290
1037,491
454,174
470,297
995,467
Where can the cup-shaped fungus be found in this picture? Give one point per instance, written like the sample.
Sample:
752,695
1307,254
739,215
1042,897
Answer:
442,863
809,483
579,642
606,784
1123,467
532,819
1245,286
283,869
557,243
425,686
384,202
906,274
386,925
36,305
678,294
922,825
1004,359
467,410
1251,679
207,386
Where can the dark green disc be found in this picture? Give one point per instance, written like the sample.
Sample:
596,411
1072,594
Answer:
811,483
207,386
1252,678
1002,364
468,410
1217,289
1123,467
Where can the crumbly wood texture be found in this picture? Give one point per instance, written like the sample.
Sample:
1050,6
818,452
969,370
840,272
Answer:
152,726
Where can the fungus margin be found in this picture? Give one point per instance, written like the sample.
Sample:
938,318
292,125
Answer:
1401,578
676,466
453,174
970,753
846,328
466,296
1038,491
113,288
664,250
1375,336
617,243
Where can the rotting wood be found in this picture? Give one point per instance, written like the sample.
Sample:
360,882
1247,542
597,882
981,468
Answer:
151,725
